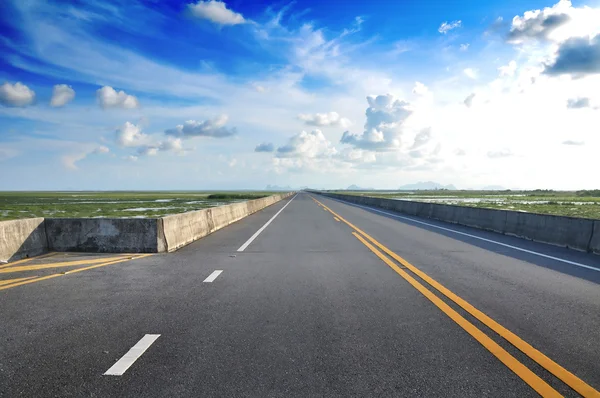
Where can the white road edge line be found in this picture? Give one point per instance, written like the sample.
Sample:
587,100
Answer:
132,355
245,245
473,236
213,276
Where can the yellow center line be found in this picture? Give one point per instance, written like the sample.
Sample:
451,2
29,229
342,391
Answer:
539,385
563,374
10,281
29,259
120,260
58,265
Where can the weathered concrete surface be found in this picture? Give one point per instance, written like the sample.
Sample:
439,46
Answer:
185,228
104,235
22,238
595,239
575,233
571,232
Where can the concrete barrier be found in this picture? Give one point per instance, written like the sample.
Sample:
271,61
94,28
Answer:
185,228
595,239
576,233
104,235
22,238
34,236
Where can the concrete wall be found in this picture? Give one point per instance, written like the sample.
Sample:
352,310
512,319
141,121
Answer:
22,238
34,236
182,229
595,239
104,235
576,233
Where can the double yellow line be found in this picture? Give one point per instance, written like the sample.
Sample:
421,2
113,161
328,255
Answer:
538,384
102,262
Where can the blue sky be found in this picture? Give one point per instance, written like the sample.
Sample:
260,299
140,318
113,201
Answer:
240,94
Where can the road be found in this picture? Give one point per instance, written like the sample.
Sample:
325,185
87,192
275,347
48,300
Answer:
327,299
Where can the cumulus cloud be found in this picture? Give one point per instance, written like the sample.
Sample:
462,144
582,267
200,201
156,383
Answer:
216,12
383,128
330,119
307,145
208,128
470,73
264,147
578,103
577,56
420,89
130,135
508,70
539,24
101,149
575,143
464,47
469,100
61,95
17,95
422,138
108,97
503,153
446,27
131,158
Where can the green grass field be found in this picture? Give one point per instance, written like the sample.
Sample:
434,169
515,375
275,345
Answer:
14,205
584,204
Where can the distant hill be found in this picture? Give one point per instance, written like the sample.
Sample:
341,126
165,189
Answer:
278,188
494,188
357,188
426,186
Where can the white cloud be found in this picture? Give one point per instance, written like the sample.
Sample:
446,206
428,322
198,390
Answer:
331,119
464,47
572,142
208,128
422,138
307,145
101,149
578,103
539,24
108,97
503,153
460,152
130,135
70,160
508,70
445,27
383,128
17,95
62,94
216,12
470,73
420,89
131,158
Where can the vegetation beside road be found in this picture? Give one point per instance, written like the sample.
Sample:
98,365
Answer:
118,204
585,204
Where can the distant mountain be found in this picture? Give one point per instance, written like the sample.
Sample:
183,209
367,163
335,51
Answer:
278,188
494,188
357,188
426,186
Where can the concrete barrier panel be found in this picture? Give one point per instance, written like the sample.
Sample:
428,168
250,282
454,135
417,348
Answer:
564,231
576,233
104,235
185,228
22,238
595,239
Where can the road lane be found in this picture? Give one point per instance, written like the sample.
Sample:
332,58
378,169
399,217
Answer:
305,310
545,305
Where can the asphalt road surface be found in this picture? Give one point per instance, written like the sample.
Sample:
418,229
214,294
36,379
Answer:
329,299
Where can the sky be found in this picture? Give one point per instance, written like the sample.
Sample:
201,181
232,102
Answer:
240,94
